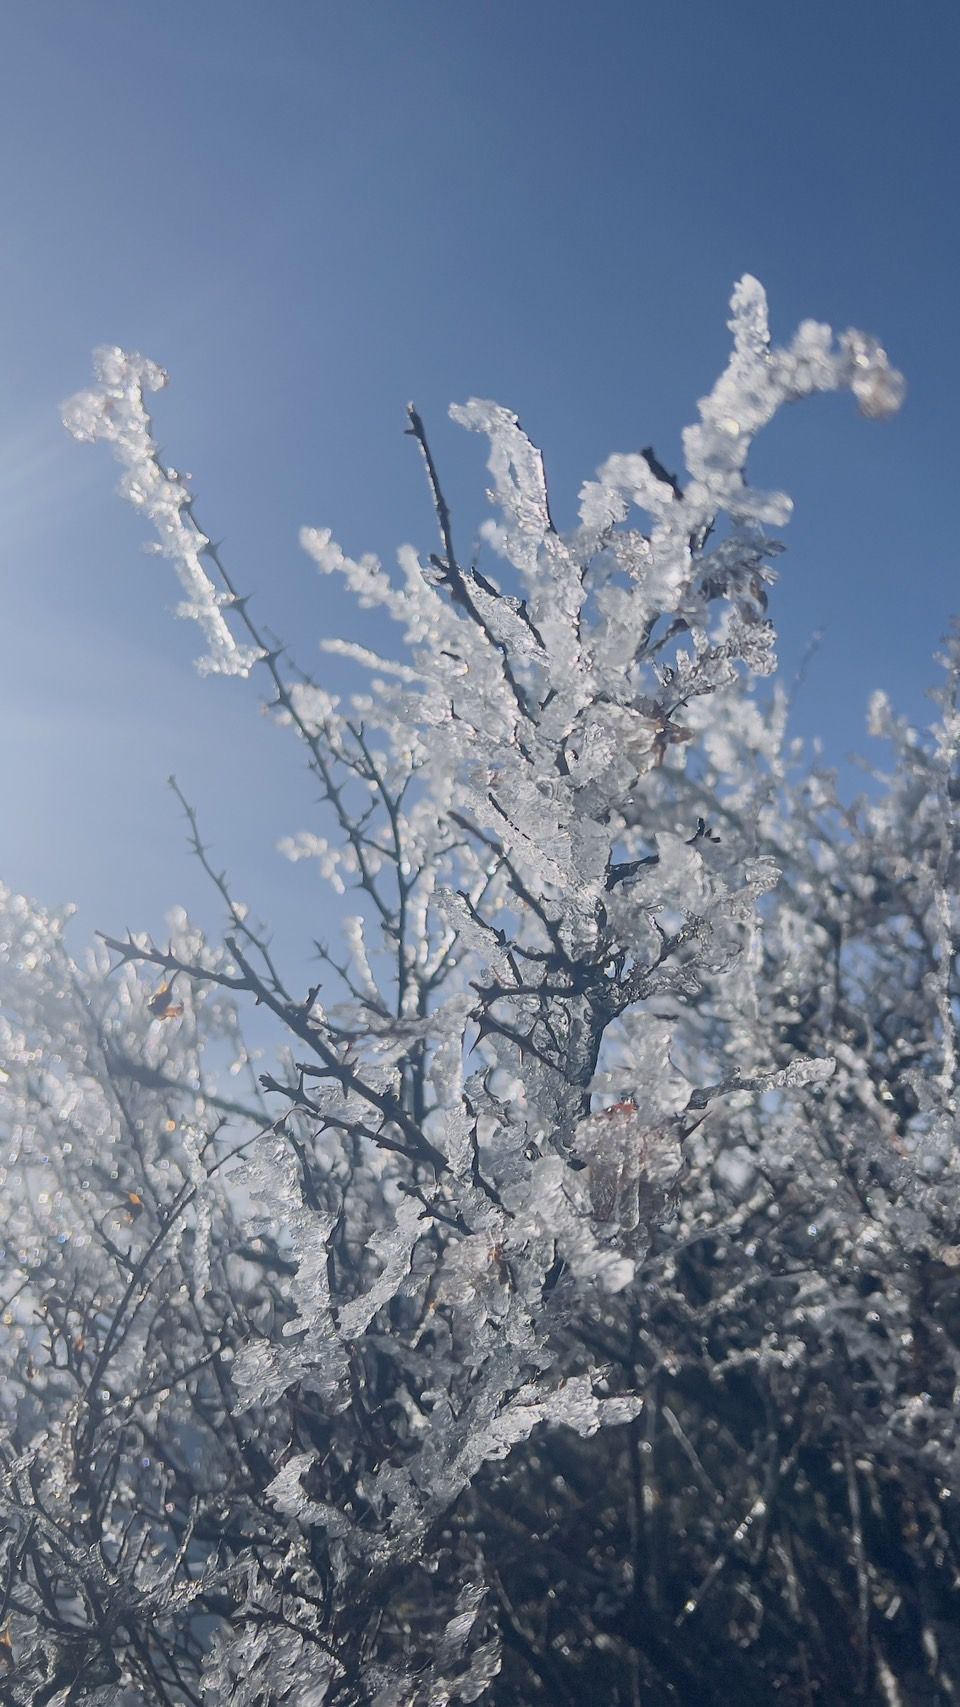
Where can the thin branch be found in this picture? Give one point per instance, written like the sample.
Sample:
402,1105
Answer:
453,575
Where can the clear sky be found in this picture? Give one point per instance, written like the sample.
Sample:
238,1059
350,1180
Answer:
310,212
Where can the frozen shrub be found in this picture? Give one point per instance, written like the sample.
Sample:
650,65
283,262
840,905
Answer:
573,1312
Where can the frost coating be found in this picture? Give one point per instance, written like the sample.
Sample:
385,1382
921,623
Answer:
116,412
569,1065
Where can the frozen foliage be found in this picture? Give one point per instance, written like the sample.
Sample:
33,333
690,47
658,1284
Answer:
574,1303
116,413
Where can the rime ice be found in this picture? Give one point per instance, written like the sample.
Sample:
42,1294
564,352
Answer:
596,1025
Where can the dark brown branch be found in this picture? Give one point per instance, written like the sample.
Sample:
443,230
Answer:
219,881
451,572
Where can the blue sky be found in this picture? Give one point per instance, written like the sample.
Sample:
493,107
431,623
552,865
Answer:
311,212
